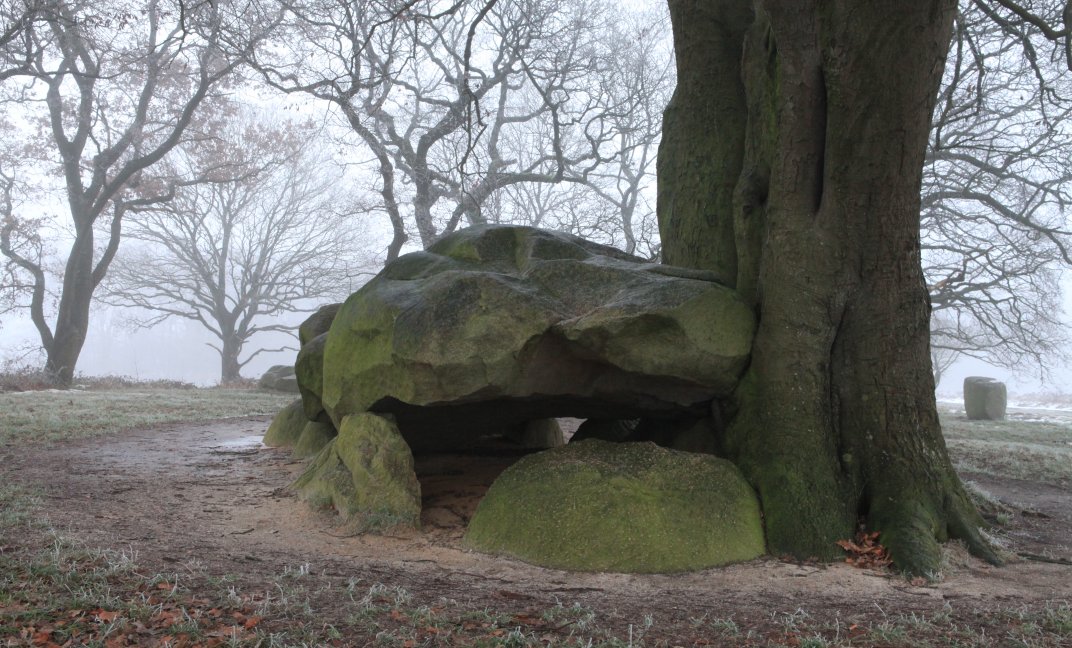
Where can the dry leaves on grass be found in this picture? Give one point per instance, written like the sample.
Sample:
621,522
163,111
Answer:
173,621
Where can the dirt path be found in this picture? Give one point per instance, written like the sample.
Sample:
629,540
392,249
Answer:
208,499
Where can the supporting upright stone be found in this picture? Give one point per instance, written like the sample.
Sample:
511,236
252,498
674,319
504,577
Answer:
314,436
287,426
985,399
539,434
366,474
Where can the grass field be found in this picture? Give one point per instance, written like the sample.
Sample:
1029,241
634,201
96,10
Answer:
43,416
1032,450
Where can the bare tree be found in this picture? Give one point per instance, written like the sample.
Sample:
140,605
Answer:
434,93
115,86
260,233
24,239
996,182
608,197
1032,23
18,22
637,81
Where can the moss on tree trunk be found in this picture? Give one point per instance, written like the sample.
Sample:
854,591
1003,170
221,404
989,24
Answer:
836,416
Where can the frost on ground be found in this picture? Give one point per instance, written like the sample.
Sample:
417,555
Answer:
205,502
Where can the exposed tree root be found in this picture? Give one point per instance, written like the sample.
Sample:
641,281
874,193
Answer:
913,528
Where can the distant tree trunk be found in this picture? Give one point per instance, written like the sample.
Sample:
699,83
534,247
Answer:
72,319
812,211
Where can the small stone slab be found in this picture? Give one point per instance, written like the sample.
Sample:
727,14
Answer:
985,399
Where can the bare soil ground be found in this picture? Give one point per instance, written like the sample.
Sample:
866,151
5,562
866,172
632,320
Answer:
207,501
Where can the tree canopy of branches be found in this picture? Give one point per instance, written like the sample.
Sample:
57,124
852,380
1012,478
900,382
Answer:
460,106
107,88
996,182
261,232
608,198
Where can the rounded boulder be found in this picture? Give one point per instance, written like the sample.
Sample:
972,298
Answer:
621,507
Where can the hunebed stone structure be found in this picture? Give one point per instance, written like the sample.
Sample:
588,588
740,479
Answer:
492,333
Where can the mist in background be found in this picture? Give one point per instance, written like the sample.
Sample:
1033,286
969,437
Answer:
178,350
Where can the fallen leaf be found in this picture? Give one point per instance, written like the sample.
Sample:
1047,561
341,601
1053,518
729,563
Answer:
106,616
528,619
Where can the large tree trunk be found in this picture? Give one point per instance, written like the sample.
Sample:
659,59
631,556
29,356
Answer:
835,418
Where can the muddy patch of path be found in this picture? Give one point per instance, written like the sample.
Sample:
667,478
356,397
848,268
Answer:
208,500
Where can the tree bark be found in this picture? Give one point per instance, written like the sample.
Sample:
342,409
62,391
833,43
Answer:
703,137
72,318
835,418
230,369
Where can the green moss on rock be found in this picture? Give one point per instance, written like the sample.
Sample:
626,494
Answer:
314,436
287,426
624,507
366,474
309,368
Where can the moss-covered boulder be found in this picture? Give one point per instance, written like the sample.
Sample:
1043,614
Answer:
366,474
494,326
624,507
309,368
287,426
314,436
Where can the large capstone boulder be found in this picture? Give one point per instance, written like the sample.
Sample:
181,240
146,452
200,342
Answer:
985,399
623,507
495,326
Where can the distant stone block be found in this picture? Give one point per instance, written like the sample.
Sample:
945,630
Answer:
279,378
985,399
